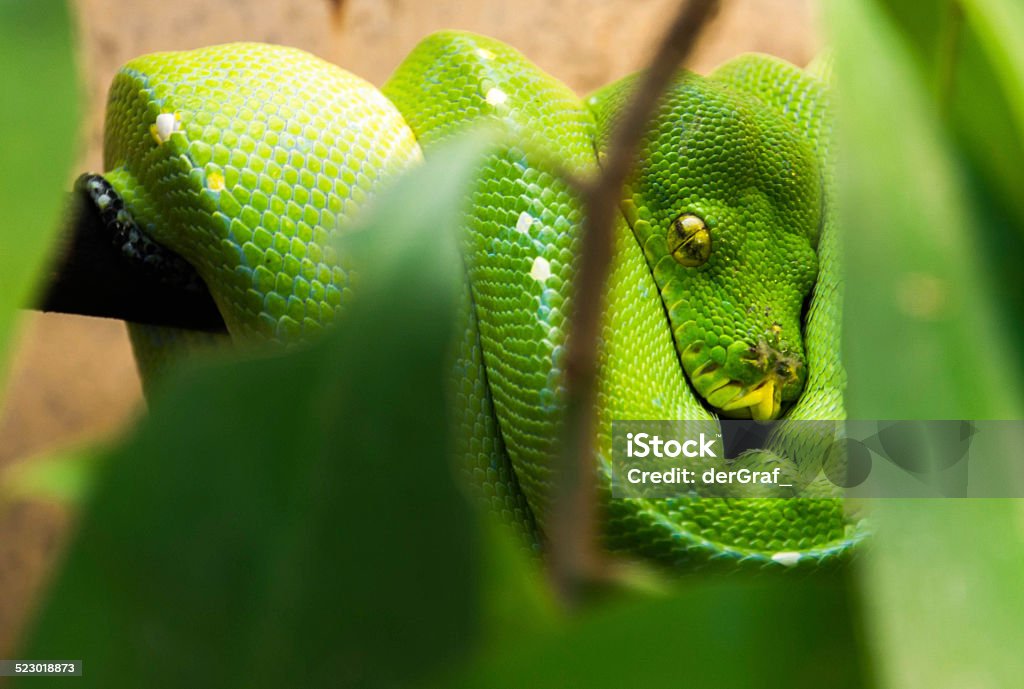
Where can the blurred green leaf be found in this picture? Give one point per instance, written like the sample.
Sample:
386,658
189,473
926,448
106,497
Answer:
516,600
293,521
1000,25
39,120
942,593
986,117
966,61
925,335
741,632
953,57
924,24
930,333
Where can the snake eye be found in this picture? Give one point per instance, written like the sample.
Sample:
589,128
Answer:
689,241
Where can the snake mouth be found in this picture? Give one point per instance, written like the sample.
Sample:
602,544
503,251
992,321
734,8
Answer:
761,401
757,385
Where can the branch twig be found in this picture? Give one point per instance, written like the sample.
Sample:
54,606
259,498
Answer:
575,561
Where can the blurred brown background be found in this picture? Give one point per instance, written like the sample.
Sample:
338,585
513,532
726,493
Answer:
73,379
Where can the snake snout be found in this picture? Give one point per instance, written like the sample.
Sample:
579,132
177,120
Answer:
745,381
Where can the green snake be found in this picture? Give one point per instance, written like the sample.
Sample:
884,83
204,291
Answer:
245,160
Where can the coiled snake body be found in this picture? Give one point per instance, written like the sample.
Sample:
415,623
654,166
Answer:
245,159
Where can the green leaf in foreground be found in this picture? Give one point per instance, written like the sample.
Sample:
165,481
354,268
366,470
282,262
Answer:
925,336
942,593
999,25
293,521
733,633
39,121
971,54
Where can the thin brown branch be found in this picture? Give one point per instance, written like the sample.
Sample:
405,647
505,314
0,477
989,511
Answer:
575,563
337,12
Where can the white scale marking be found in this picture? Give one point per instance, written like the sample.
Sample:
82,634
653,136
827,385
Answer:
524,223
787,558
166,124
496,96
541,269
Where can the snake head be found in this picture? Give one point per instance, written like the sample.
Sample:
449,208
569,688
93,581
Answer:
726,202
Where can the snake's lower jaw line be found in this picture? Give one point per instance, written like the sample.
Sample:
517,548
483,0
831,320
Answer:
753,382
762,403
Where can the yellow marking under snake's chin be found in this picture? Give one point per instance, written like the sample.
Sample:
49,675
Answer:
761,401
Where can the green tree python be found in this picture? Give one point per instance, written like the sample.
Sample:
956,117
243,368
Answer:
244,160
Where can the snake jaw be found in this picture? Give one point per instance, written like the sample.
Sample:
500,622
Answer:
763,403
753,386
